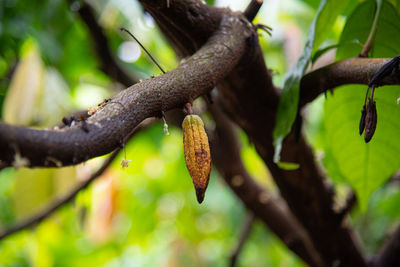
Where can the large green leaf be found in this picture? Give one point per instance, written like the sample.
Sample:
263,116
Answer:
364,166
325,17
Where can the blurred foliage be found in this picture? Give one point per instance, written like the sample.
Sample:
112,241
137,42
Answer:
147,214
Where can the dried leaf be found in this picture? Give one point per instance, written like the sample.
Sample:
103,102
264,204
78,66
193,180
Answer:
371,120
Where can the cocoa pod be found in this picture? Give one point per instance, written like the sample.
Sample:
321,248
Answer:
371,120
197,153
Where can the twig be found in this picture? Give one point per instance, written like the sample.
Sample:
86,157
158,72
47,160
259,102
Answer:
244,233
108,64
144,49
71,195
389,255
265,28
252,9
368,44
56,205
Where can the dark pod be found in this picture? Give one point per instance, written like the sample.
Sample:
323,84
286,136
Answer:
371,120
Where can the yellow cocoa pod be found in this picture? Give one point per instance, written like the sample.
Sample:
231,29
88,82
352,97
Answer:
197,153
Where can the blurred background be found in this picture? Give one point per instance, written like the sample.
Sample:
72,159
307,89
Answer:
146,214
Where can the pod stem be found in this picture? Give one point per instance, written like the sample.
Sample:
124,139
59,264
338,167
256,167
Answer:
189,109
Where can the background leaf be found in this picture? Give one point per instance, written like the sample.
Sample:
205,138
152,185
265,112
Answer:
288,104
364,166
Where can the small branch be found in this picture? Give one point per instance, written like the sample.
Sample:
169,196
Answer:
368,44
108,64
71,195
348,71
144,49
244,233
64,200
389,255
252,9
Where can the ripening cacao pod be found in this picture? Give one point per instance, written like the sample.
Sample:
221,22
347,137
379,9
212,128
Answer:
197,153
371,120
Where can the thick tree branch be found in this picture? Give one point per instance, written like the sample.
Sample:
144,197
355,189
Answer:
187,24
108,127
347,71
390,252
270,209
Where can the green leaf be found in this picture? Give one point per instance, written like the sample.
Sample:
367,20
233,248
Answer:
358,27
364,166
288,166
347,157
318,53
325,17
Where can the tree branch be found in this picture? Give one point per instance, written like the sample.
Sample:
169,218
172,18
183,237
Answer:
252,9
108,127
272,210
390,252
347,71
187,24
